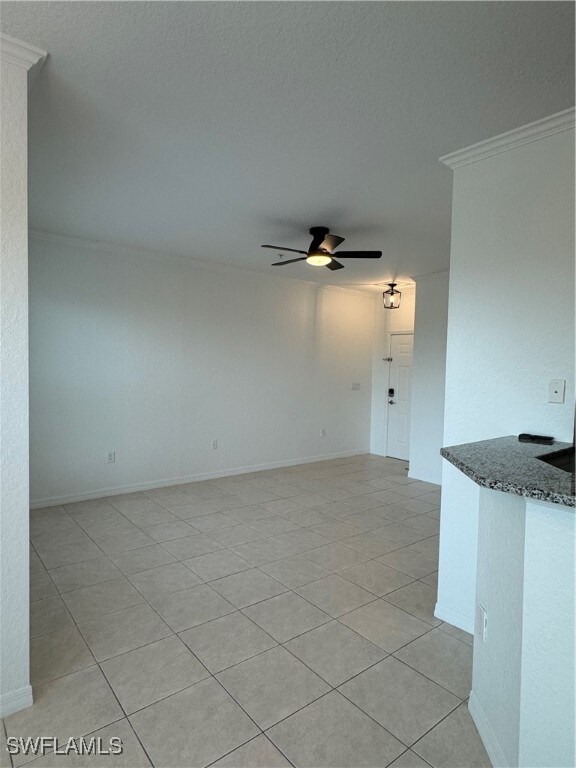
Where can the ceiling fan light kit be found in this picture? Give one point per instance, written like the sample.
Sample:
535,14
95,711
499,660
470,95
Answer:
392,297
321,251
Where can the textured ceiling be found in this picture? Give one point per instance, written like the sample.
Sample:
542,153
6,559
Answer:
204,129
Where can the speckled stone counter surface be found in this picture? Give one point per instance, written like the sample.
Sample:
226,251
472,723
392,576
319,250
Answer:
506,465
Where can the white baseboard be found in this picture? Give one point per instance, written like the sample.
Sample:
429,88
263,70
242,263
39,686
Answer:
70,498
487,735
14,701
457,619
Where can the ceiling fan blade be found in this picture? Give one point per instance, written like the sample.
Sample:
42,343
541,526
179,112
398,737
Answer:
359,254
335,265
290,261
279,248
330,242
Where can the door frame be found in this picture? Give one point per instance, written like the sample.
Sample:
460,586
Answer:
390,334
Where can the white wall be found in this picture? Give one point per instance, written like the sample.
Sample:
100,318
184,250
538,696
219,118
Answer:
524,672
510,326
429,377
386,322
15,692
154,359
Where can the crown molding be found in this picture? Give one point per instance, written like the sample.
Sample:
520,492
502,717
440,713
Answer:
102,246
20,53
539,129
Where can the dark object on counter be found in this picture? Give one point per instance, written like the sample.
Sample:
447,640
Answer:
540,439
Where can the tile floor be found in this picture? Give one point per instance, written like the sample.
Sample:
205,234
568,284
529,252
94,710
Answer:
279,618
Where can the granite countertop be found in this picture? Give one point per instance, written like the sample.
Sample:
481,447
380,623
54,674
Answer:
506,465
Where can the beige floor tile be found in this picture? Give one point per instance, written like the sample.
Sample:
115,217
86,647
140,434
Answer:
48,615
108,526
385,625
170,531
214,522
146,675
35,562
428,547
396,513
271,526
123,631
417,506
41,586
281,506
335,557
5,759
454,743
193,727
403,701
262,551
400,533
248,513
460,634
57,654
271,686
410,562
285,616
77,704
191,546
142,559
370,544
431,580
295,571
306,517
112,545
434,498
335,510
191,509
249,587
182,610
335,652
100,599
331,733
335,595
78,575
309,500
301,540
133,756
237,534
226,641
336,529
423,523
165,580
408,759
64,551
442,658
217,565
159,516
374,500
258,753
418,599
367,520
132,503
376,577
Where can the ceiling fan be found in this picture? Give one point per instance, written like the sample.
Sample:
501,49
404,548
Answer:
321,251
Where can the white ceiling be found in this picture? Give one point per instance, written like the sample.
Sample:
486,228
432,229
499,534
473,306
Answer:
204,129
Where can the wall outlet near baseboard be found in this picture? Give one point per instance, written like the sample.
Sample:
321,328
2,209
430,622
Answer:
355,386
214,445
111,457
323,432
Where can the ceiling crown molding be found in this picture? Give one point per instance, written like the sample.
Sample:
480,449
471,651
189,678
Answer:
20,53
539,129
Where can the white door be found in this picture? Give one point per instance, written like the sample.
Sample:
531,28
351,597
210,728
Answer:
398,443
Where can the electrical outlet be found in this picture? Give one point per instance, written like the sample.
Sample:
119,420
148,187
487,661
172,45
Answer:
355,386
214,445
323,432
111,457
556,389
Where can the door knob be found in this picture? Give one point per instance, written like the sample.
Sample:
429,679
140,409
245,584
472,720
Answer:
391,402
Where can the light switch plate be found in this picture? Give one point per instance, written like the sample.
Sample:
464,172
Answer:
556,390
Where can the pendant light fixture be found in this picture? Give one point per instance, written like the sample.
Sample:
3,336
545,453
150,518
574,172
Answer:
391,297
